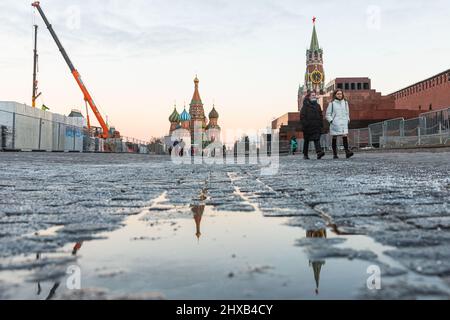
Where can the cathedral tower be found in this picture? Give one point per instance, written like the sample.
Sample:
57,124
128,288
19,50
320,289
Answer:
196,107
198,118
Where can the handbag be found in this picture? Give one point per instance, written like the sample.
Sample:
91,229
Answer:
325,127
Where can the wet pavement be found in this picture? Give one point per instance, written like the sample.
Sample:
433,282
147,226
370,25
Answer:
141,227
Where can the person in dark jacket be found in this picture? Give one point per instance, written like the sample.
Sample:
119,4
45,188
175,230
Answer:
312,122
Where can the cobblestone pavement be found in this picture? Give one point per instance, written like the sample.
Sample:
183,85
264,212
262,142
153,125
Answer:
400,200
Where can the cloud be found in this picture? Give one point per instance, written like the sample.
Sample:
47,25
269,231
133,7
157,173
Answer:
147,27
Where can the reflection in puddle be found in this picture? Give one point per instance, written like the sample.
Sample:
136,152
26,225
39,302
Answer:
76,248
198,213
39,287
241,255
316,264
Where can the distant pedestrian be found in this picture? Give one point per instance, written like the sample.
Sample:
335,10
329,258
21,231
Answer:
182,145
338,115
176,148
294,145
311,118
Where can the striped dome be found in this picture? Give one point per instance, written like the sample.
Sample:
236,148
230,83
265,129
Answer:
174,117
185,116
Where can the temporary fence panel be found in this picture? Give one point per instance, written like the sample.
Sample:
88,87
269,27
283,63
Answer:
375,133
411,127
392,130
435,122
393,127
45,132
26,132
363,138
353,138
6,130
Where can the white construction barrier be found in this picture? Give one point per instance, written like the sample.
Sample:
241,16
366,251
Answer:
30,129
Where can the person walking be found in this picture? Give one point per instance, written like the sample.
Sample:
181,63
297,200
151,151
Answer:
182,145
294,145
311,118
338,115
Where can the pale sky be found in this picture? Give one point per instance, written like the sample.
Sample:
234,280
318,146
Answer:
137,57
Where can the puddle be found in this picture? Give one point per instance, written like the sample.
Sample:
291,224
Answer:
195,253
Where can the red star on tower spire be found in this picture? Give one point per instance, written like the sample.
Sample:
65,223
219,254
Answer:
314,20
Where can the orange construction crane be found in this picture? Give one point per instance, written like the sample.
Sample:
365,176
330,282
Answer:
75,73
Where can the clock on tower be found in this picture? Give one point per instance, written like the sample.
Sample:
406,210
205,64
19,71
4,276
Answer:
316,77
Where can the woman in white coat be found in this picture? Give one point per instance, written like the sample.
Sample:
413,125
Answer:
338,115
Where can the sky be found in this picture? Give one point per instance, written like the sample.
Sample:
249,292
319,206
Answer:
140,57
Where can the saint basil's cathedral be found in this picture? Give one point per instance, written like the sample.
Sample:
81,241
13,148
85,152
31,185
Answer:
195,122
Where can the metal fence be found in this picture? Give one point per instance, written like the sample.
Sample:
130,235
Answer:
39,133
360,137
35,130
429,129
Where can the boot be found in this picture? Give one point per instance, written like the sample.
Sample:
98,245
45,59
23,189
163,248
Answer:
334,146
320,155
348,153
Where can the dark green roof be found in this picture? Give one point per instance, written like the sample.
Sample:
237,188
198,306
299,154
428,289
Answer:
314,40
214,114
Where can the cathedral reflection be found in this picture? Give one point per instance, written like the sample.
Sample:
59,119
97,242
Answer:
198,210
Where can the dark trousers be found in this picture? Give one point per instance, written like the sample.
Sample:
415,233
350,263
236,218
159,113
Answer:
334,145
316,145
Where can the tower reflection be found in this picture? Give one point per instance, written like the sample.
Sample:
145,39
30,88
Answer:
316,264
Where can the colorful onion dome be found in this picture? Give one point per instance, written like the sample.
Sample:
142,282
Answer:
185,116
213,114
174,117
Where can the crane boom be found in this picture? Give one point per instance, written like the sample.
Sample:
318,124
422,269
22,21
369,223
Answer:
75,73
